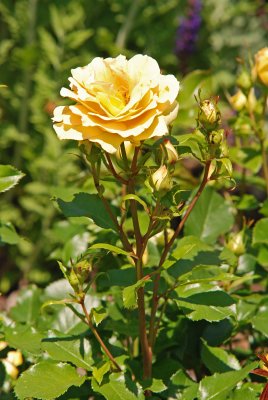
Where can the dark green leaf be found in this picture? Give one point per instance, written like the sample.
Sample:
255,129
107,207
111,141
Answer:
88,205
217,359
211,306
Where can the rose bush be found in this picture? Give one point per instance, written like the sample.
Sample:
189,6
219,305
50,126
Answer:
117,100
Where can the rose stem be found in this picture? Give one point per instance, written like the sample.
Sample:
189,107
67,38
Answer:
152,331
263,151
97,336
106,204
146,351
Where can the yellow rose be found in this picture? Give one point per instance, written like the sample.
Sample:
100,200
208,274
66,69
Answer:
117,100
260,69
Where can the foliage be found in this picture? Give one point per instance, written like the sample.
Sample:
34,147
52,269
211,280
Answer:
205,224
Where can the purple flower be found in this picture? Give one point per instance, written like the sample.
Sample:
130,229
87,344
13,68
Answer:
188,29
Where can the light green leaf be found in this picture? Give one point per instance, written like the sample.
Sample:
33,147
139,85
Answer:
260,232
260,320
88,205
156,386
27,308
109,247
218,386
210,218
136,198
8,234
115,389
47,381
23,337
217,359
205,273
99,372
99,314
9,177
211,306
130,293
74,349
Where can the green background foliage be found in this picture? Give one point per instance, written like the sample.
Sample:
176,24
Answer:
218,317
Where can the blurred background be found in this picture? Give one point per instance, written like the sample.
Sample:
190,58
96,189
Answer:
41,40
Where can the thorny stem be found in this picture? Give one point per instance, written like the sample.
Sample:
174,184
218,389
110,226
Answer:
97,336
110,166
263,150
153,329
106,204
146,350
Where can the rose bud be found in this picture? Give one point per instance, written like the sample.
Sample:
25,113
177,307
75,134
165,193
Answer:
160,180
238,100
172,155
244,80
236,243
209,115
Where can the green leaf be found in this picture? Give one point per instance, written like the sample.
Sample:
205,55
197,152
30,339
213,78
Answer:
264,208
187,248
260,232
99,314
115,389
211,306
109,247
260,320
210,217
99,372
74,349
136,198
27,308
155,386
8,234
218,386
247,202
47,381
88,205
9,177
130,293
189,87
24,338
205,273
217,359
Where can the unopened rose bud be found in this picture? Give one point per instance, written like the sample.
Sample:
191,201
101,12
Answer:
161,180
238,100
236,243
244,80
260,68
73,280
216,137
82,270
172,155
209,115
252,101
